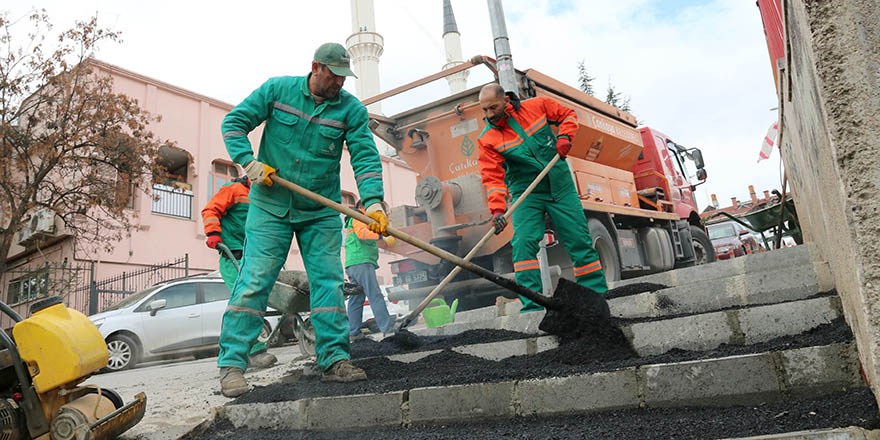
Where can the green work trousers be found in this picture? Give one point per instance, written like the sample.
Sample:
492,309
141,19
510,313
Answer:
230,274
571,228
266,247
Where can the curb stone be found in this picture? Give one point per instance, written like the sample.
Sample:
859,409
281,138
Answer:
745,379
850,433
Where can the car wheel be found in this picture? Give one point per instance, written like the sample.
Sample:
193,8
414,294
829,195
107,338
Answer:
703,250
124,352
604,245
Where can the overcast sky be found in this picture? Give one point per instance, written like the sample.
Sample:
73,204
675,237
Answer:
697,71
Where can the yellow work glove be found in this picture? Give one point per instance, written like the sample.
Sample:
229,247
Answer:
258,173
390,241
376,213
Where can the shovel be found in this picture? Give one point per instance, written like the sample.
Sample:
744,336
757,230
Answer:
570,311
507,216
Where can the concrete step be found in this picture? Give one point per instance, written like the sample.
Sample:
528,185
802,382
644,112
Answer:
766,287
737,380
785,285
701,332
850,433
749,264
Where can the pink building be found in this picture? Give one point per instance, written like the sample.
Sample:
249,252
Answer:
171,226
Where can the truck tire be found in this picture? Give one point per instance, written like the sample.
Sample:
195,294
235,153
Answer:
604,244
705,252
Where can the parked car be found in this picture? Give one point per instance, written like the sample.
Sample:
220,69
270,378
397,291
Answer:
168,320
731,240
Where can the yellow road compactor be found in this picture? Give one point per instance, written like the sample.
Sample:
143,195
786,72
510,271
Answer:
42,367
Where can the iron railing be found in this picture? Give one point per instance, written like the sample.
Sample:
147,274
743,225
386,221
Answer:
26,284
77,287
172,201
109,291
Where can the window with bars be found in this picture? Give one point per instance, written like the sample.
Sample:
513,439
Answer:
28,287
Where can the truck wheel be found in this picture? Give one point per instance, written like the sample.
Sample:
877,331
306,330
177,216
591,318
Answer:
703,249
124,352
607,249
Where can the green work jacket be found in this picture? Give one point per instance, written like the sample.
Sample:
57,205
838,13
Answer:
359,250
304,142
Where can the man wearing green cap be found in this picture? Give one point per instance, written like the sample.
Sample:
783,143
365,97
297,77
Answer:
307,120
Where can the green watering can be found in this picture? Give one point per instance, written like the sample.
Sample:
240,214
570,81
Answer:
438,313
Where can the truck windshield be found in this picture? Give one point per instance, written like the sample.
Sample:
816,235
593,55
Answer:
721,231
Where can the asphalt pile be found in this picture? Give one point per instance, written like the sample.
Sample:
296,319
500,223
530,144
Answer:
584,355
390,346
576,312
853,408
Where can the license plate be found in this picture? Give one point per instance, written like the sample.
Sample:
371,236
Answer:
414,277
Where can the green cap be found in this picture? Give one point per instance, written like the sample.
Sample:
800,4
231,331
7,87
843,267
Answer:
335,57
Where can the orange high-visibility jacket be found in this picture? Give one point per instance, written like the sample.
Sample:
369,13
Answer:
226,213
513,153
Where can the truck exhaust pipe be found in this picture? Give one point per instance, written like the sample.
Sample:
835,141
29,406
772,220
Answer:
503,58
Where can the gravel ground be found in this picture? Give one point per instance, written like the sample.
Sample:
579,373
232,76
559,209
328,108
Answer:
581,356
854,408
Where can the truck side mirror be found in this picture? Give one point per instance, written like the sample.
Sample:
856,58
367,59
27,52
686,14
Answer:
701,174
697,155
157,305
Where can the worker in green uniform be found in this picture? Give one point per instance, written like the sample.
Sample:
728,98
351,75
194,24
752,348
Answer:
515,146
224,217
307,120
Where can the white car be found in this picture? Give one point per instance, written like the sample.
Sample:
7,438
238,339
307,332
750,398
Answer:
172,319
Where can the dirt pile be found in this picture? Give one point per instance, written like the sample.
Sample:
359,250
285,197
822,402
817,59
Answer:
393,345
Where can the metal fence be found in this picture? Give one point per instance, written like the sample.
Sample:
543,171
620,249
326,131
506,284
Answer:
172,201
77,287
105,293
27,284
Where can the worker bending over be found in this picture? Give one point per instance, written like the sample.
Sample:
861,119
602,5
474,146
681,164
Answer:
515,146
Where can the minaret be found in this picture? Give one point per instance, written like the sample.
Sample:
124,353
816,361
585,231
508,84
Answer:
452,47
365,47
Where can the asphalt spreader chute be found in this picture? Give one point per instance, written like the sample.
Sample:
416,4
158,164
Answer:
572,311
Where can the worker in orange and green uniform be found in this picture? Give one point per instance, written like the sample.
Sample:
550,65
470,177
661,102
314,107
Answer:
307,121
361,262
516,145
224,217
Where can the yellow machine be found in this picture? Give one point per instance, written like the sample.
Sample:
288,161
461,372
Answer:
41,373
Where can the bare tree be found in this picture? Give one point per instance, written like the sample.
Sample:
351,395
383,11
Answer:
68,143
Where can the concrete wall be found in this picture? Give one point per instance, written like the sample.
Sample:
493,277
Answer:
830,147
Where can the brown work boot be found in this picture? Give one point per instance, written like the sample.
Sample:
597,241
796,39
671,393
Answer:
263,359
232,382
343,371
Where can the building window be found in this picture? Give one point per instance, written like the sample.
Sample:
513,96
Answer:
222,172
28,287
173,195
348,199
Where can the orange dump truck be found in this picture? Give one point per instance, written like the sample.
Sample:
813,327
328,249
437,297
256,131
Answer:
632,184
